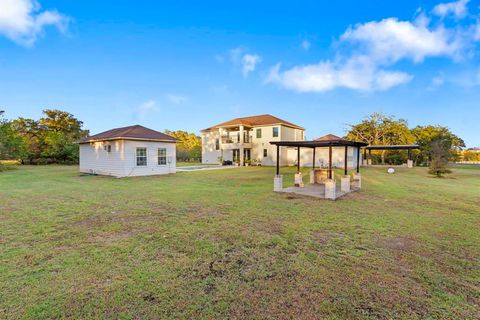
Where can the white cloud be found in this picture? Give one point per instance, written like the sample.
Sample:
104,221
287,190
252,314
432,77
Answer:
365,53
146,108
456,8
358,73
23,22
306,45
249,62
176,99
391,40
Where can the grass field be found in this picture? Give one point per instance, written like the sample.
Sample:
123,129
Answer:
221,244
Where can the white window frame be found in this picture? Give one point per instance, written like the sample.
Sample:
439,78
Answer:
137,157
163,157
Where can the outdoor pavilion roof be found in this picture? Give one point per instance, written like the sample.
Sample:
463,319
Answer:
319,143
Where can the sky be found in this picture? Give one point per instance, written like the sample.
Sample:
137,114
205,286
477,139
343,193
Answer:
188,65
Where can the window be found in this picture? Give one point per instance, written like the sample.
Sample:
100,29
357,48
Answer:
259,133
265,153
141,156
107,148
275,132
217,144
162,156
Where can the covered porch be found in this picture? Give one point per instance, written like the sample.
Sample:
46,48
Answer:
322,182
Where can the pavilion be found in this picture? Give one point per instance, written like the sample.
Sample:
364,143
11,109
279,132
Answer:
322,181
408,147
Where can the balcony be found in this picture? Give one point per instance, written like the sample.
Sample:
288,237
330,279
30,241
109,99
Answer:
233,141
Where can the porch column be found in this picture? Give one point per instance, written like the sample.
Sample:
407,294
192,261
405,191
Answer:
278,160
278,179
409,161
313,164
345,164
298,175
369,160
298,159
242,150
312,172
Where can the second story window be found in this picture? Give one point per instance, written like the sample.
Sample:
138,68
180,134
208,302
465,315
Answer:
259,133
217,144
141,156
275,132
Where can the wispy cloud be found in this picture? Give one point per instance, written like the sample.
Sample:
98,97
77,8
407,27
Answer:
145,109
456,8
366,52
23,21
248,61
176,99
306,45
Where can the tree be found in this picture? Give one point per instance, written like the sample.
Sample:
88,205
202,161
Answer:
439,154
12,145
426,137
52,138
190,145
378,129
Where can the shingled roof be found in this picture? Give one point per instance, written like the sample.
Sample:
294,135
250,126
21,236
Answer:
330,137
261,120
135,132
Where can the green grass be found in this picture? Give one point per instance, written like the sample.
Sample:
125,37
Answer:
221,244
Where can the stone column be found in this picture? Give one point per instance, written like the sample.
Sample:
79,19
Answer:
357,181
409,163
278,183
345,184
330,189
312,176
242,155
299,180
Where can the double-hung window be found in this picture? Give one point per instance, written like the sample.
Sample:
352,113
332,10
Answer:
162,156
141,156
275,132
259,133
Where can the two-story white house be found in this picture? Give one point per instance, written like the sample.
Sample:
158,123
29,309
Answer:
242,140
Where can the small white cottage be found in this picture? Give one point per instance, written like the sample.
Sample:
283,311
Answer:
128,151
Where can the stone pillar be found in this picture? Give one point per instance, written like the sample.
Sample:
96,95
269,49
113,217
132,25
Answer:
345,184
357,181
312,176
369,162
409,163
278,183
330,189
299,180
242,155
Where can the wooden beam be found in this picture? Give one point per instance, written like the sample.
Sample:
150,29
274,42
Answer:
298,159
330,162
278,160
358,160
313,165
346,160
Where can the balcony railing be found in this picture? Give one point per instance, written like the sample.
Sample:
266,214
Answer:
236,139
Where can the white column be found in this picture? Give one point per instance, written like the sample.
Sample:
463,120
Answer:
409,163
357,181
278,183
241,145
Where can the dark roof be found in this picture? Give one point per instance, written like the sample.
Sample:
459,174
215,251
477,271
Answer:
393,147
135,132
319,144
329,137
261,120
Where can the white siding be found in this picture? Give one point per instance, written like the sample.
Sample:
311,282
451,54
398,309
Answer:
121,161
152,167
209,154
95,159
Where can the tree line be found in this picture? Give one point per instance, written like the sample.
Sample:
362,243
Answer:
437,144
53,139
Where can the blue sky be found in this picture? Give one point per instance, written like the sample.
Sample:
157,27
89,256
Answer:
189,65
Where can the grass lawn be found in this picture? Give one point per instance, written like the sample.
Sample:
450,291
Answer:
221,244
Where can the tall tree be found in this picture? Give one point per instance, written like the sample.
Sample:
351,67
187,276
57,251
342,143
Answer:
378,129
12,145
189,147
426,137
